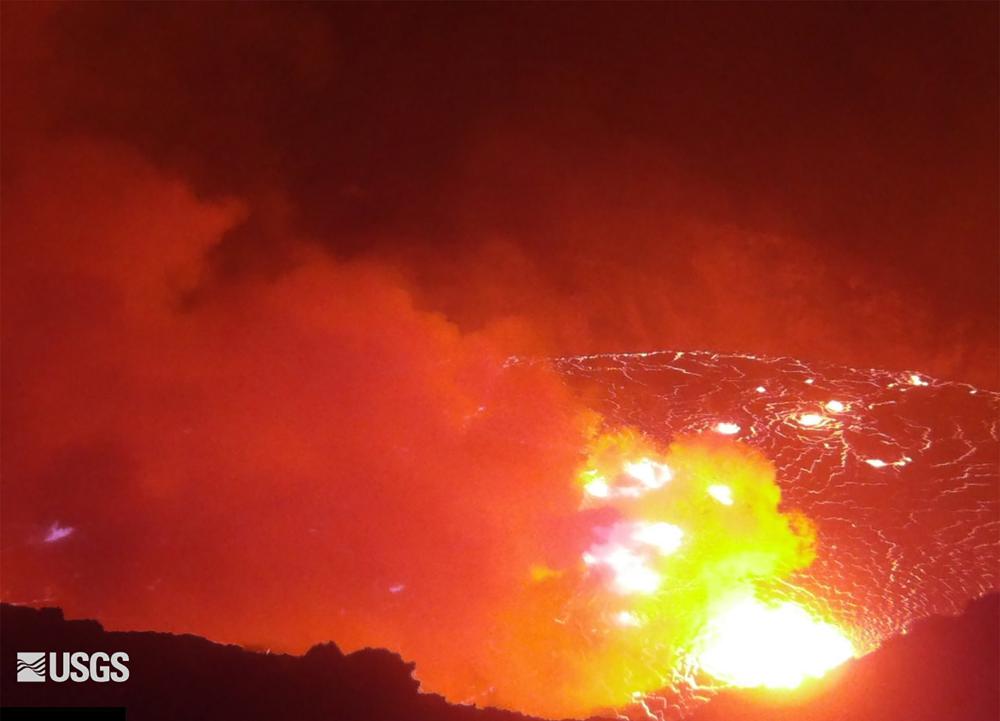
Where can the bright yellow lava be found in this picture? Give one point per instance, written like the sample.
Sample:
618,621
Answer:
752,644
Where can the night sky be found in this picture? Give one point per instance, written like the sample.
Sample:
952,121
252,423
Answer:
263,265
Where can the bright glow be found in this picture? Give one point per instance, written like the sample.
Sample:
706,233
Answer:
598,488
835,406
631,574
627,619
753,644
879,463
636,579
727,429
809,381
723,494
810,420
761,389
649,473
916,380
661,561
665,537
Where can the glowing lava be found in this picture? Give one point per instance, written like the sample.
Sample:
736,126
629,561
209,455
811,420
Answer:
723,494
753,644
727,429
835,406
682,541
656,586
810,420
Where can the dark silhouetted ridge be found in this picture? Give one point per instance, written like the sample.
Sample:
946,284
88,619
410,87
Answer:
945,669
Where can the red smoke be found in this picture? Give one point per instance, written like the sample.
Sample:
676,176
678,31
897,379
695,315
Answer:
792,181
266,462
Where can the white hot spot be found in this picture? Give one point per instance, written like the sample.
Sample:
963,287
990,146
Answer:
810,420
835,406
649,473
598,488
809,381
629,571
726,428
916,380
751,644
761,389
879,463
722,493
627,619
636,578
664,537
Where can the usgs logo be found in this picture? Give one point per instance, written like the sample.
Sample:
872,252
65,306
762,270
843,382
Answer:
38,666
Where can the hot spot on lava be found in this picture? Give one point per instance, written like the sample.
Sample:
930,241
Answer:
685,578
749,643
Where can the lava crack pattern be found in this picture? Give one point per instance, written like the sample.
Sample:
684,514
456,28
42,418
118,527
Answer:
898,471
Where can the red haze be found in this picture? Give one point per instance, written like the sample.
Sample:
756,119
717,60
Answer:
264,464
263,265
813,180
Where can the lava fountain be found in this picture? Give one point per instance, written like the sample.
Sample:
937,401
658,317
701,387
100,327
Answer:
688,580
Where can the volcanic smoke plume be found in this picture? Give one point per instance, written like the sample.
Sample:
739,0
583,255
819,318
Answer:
274,298
296,460
226,457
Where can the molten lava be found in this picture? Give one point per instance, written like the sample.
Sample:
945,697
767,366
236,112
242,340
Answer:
686,541
750,643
